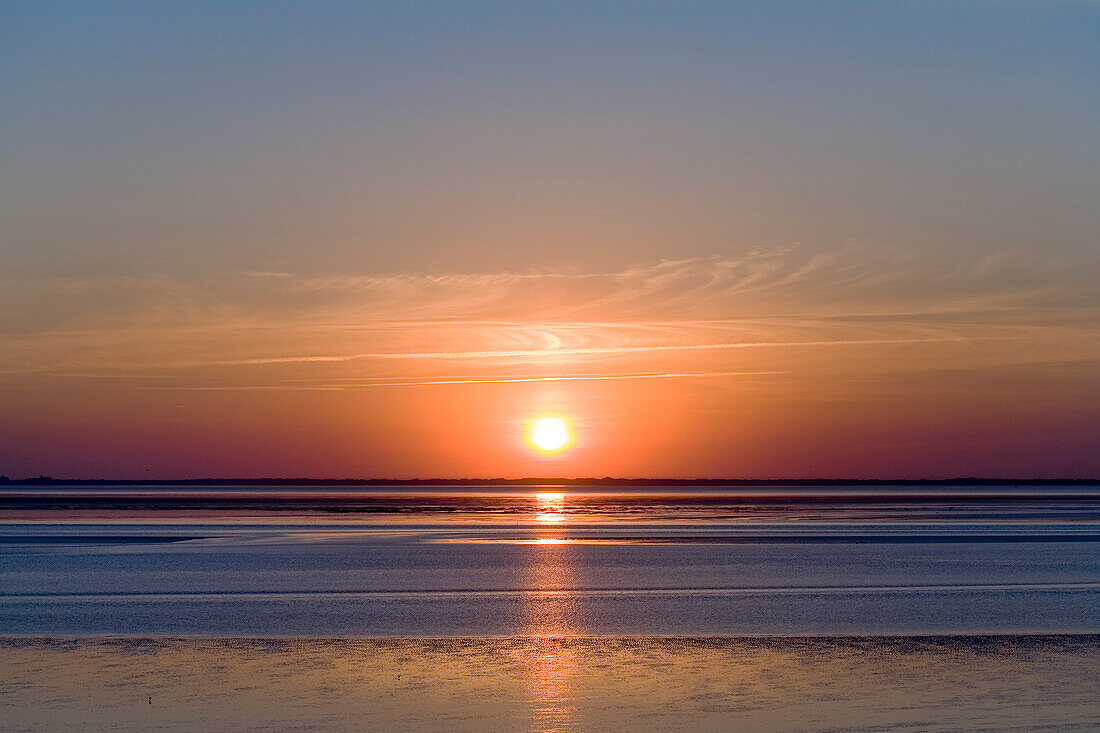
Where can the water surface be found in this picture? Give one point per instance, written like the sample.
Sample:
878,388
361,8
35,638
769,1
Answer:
551,561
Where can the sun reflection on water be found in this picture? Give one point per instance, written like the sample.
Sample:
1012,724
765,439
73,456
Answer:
548,618
550,507
553,702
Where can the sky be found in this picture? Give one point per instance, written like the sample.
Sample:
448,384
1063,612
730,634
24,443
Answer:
738,239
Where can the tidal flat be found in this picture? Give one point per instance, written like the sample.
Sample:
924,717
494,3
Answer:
934,683
550,610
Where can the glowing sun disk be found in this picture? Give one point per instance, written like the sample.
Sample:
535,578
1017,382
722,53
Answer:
549,434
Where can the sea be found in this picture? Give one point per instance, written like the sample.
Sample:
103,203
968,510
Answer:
550,607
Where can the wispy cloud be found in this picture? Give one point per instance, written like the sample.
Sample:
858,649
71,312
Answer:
377,384
556,352
760,310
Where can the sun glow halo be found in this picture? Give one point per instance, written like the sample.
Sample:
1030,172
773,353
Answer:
549,434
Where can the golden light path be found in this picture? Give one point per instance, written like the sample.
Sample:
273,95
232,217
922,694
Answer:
550,506
549,621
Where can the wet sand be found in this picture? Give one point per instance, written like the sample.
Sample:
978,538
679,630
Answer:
1018,683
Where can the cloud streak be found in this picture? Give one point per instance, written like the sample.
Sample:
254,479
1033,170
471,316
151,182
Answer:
440,382
751,312
589,351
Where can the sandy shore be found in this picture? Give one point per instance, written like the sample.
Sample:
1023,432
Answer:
545,684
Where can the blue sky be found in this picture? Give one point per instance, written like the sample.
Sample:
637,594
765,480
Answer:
167,133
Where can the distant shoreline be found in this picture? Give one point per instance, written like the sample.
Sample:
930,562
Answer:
605,481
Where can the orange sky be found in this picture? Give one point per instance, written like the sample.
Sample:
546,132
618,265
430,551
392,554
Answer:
372,239
766,365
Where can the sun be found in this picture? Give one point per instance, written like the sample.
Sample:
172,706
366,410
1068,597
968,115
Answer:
549,434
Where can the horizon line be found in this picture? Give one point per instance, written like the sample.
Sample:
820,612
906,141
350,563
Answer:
549,480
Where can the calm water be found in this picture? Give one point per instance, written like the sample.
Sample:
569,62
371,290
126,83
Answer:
550,609
548,562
